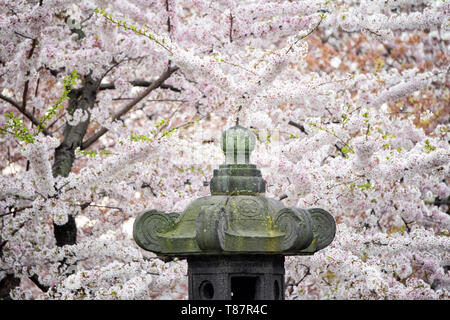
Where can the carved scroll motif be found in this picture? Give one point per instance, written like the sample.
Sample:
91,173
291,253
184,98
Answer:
147,227
297,225
324,227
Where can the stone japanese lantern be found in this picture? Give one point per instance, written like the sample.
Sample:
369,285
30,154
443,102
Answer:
235,239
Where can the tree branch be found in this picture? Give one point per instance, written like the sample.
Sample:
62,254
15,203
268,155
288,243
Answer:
129,106
25,89
298,126
25,94
139,83
11,101
26,113
23,36
231,28
35,280
168,17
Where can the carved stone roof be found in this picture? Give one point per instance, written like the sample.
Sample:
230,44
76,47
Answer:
237,218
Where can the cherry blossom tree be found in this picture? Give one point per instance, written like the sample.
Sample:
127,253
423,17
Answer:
112,107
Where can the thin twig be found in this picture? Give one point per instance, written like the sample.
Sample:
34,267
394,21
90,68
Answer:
22,35
408,229
372,32
329,82
90,16
188,123
170,117
147,185
240,67
15,211
305,36
123,25
307,273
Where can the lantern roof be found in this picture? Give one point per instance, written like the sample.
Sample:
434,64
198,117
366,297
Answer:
237,218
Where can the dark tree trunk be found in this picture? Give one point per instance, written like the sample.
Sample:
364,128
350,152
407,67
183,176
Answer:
8,283
66,233
80,99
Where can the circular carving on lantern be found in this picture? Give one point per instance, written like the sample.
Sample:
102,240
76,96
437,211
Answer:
297,226
249,207
324,227
147,227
